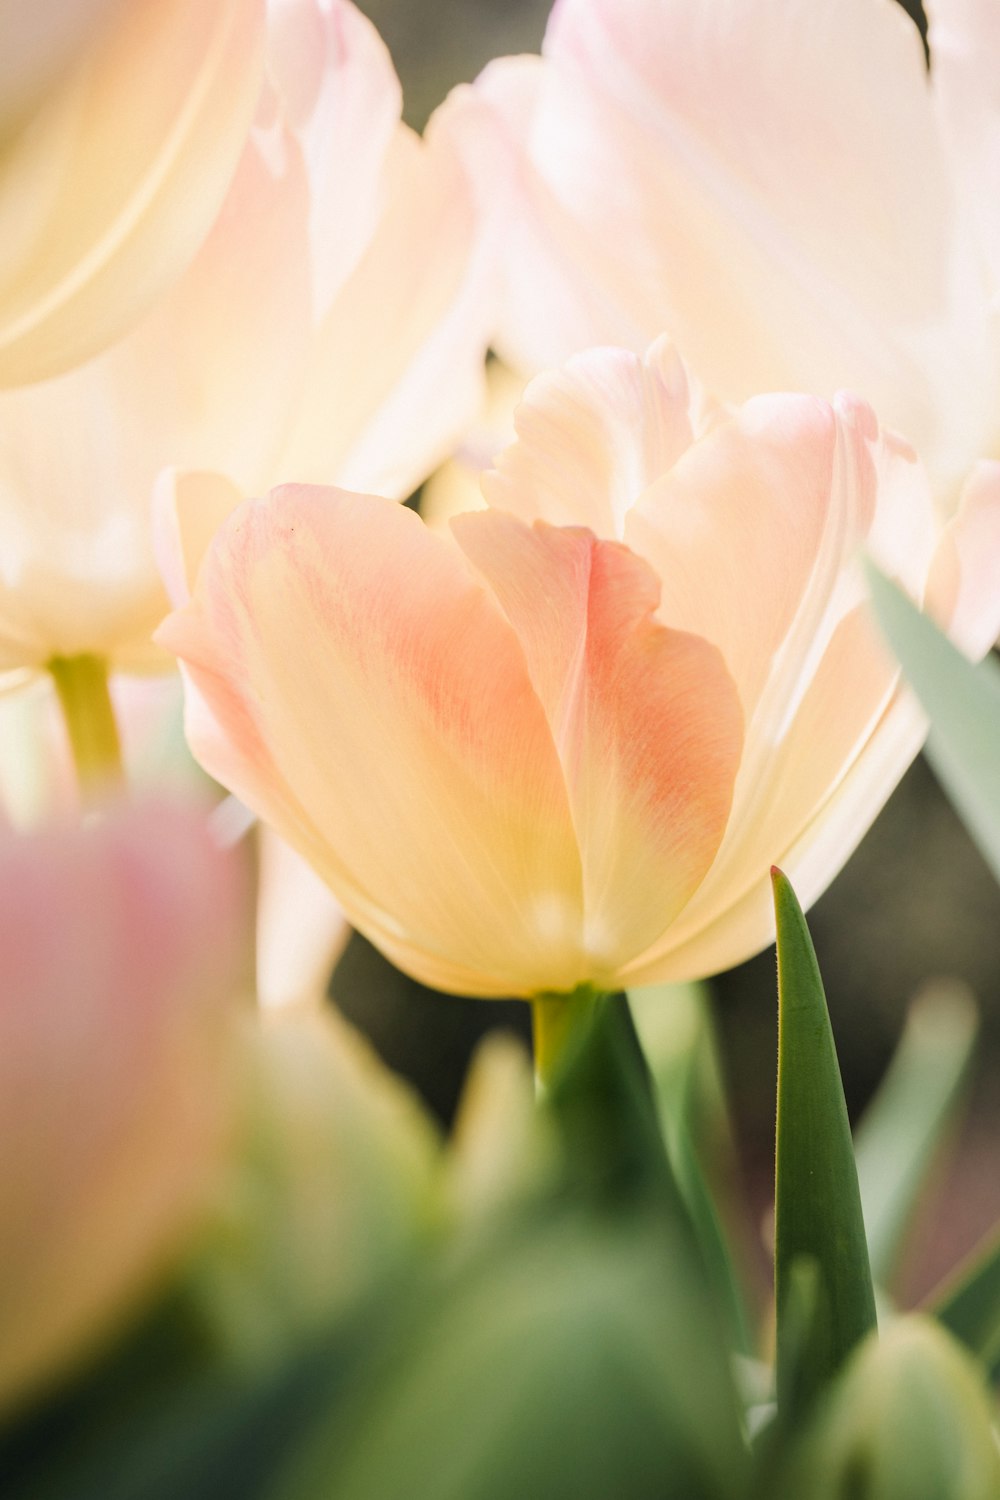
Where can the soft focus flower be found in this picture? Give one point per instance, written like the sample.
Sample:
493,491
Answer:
566,743
121,952
331,328
780,187
120,126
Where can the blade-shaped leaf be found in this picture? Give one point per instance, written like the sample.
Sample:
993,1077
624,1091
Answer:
968,1304
962,699
817,1200
898,1139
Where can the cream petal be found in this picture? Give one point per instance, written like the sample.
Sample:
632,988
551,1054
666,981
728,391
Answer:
108,192
646,721
356,687
340,94
301,929
396,374
188,510
963,589
39,42
77,570
592,436
964,39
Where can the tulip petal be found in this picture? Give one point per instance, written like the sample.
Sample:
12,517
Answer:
592,436
341,96
962,590
382,419
964,40
114,186
791,618
301,929
646,721
355,686
751,178
188,510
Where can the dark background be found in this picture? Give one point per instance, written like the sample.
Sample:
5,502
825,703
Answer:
915,902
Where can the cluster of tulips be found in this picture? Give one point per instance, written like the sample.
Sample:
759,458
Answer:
684,335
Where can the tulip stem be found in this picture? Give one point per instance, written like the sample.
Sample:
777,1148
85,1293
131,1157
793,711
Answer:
555,1018
82,685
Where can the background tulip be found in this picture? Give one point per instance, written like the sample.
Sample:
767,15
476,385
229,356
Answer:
111,175
121,956
332,327
779,187
513,753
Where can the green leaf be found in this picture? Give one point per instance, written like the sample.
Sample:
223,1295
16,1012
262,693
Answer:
817,1200
962,699
675,1028
898,1140
968,1304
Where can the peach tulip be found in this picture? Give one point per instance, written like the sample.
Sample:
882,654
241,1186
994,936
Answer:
121,953
331,328
564,743
779,186
121,122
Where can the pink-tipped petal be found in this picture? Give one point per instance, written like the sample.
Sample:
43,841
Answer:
646,721
356,687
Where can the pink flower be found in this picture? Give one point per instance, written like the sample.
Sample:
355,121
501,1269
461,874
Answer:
779,186
121,954
565,743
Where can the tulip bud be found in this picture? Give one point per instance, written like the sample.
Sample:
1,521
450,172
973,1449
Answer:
907,1420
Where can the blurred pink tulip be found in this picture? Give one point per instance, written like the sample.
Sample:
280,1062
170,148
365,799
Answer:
780,187
565,743
331,328
129,117
121,952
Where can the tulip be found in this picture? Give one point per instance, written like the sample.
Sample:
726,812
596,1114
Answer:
564,744
778,186
120,959
330,329
128,120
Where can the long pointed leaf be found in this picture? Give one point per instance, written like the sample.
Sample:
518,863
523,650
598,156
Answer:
962,699
817,1200
898,1140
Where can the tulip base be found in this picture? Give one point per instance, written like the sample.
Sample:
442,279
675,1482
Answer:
554,1019
82,686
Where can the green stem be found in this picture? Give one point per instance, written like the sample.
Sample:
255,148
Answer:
82,685
554,1019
